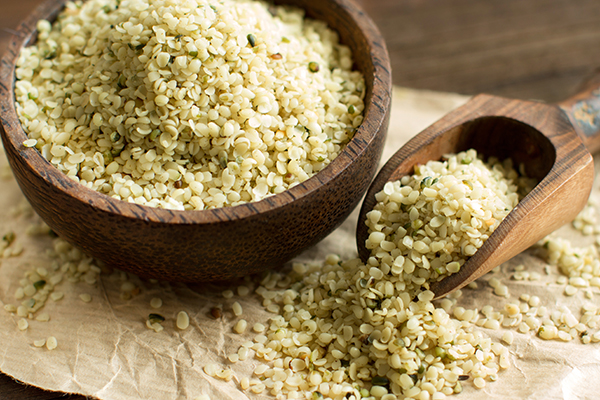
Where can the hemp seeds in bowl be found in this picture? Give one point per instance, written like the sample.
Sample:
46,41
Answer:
187,104
208,138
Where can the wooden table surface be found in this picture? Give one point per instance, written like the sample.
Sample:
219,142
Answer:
534,49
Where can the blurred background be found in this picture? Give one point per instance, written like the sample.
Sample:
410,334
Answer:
533,49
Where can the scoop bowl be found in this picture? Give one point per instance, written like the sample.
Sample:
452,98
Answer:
215,244
552,142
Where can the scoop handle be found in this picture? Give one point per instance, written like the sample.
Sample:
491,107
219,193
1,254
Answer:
583,110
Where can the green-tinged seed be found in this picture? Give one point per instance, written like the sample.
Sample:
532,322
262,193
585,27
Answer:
302,128
351,109
421,370
317,396
313,66
108,157
154,134
39,284
420,353
468,183
153,318
30,96
466,161
122,83
426,182
251,39
399,342
380,381
285,40
193,54
115,137
457,388
116,152
9,237
49,55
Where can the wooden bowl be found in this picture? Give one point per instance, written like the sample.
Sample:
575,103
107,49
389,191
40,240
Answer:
215,244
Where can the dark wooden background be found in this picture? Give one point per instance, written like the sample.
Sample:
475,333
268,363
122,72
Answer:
533,49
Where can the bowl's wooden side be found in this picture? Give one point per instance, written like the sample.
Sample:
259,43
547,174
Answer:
210,244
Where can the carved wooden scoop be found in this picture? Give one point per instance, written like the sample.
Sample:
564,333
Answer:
552,141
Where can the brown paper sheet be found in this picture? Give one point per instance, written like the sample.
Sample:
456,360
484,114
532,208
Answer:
105,349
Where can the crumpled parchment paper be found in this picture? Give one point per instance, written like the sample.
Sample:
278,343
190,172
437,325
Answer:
105,349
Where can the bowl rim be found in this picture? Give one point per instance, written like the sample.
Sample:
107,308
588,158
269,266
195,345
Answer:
375,116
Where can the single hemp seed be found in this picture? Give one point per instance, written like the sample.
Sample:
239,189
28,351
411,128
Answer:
251,39
313,66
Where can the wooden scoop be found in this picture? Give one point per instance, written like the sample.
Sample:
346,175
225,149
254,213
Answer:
553,142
